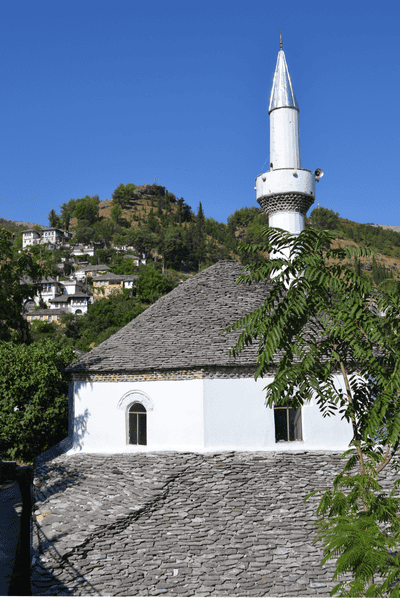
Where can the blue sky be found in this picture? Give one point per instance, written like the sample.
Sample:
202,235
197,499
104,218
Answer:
94,94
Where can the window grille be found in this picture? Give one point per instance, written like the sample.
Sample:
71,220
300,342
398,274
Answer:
137,425
287,424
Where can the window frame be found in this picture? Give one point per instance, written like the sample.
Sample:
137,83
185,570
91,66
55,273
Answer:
130,412
297,426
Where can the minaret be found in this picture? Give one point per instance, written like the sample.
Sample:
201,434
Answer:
286,191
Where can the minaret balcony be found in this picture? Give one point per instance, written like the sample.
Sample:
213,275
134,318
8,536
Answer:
286,181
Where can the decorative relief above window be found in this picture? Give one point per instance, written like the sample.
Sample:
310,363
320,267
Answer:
135,396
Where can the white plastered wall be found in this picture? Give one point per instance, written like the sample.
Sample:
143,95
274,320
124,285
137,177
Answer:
174,415
236,418
193,415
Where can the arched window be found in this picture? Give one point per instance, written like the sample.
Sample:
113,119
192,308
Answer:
78,312
137,424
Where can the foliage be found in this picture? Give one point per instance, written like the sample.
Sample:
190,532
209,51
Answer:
13,291
243,217
152,284
382,240
67,211
124,266
324,218
42,330
379,272
103,256
141,239
175,251
325,319
54,219
87,209
103,318
33,398
183,212
123,195
104,232
106,316
198,246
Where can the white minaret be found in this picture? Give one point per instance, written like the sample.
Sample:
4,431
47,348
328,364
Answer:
286,191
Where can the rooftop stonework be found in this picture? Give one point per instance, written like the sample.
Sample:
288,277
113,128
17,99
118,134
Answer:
184,328
182,524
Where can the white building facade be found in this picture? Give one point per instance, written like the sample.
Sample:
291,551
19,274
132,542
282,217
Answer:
191,415
47,235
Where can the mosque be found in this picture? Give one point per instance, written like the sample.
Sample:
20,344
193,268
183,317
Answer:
165,380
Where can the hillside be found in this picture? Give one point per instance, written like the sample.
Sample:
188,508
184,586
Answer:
155,222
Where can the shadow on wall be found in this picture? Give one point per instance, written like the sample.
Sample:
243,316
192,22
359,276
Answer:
80,430
77,424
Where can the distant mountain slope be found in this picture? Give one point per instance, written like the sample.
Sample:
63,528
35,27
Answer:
17,224
392,227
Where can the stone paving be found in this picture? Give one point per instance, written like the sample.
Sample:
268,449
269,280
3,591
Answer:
180,524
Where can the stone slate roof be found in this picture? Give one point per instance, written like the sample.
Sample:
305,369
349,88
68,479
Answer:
93,268
46,311
66,297
113,278
182,330
130,277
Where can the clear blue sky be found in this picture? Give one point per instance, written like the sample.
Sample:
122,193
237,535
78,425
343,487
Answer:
97,93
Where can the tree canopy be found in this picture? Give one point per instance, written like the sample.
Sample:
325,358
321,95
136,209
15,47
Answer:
18,273
33,398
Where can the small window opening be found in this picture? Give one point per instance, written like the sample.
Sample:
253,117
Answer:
287,424
137,425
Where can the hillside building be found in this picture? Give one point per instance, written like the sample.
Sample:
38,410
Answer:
110,283
53,236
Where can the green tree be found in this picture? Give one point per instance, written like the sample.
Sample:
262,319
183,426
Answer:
18,273
324,218
104,232
152,223
142,240
243,217
183,212
152,284
87,209
84,233
123,195
116,213
125,266
199,239
324,319
33,398
67,211
175,251
54,219
103,318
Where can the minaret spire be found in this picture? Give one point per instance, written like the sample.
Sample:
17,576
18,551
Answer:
286,191
282,93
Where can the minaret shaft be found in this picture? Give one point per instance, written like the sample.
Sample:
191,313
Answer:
284,139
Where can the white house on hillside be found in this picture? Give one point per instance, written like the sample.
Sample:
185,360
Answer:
48,235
